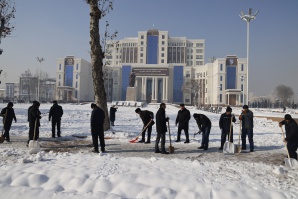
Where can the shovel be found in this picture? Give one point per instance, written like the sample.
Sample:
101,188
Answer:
144,129
228,147
2,138
171,148
289,162
238,147
34,146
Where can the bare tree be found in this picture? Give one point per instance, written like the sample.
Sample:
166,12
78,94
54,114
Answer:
284,94
7,12
98,9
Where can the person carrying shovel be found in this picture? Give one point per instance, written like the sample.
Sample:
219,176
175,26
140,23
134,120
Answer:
225,123
146,116
291,138
247,118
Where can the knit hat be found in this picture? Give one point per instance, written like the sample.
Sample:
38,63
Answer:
245,107
288,117
93,105
229,109
138,110
10,104
182,105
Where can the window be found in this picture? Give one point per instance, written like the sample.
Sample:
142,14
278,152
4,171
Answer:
76,84
141,60
199,45
241,87
59,66
142,43
141,55
141,48
220,87
199,56
162,61
59,84
242,67
220,78
77,76
162,48
220,98
163,43
199,51
187,75
142,36
220,67
77,67
163,36
162,54
59,76
206,90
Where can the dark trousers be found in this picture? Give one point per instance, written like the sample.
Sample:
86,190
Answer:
100,137
292,148
185,131
249,133
205,137
6,132
31,133
162,138
149,129
54,123
224,135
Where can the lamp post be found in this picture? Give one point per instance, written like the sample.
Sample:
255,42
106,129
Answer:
247,18
78,86
39,59
242,79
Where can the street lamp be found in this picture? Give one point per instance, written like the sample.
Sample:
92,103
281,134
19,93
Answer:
39,59
242,79
247,18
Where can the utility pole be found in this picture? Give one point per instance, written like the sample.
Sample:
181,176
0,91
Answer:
39,59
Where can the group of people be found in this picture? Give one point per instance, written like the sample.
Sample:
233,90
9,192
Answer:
204,124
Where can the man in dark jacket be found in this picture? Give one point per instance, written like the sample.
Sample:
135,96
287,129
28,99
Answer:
8,115
34,124
204,125
291,135
56,113
182,120
113,110
97,130
247,118
225,124
146,117
30,108
161,128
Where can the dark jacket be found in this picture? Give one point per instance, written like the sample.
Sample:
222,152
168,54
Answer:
112,114
56,112
97,120
34,115
183,118
202,121
247,120
291,131
146,116
8,115
225,122
29,112
161,121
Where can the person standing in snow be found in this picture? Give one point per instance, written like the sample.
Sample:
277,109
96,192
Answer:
97,130
34,124
161,128
8,115
225,125
113,110
182,120
146,116
247,118
56,113
204,125
291,138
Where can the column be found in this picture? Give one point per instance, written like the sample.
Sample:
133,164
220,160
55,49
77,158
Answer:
152,88
228,102
156,88
167,86
163,88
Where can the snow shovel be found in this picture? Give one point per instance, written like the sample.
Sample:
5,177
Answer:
238,147
171,148
144,129
34,146
228,147
289,162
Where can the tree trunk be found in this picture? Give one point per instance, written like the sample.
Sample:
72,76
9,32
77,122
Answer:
97,57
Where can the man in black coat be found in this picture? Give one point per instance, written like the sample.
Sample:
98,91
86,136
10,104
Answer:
291,135
56,113
8,115
182,120
247,118
146,117
113,110
97,130
225,124
204,125
30,108
161,128
34,124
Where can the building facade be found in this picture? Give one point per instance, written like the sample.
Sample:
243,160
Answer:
160,63
73,80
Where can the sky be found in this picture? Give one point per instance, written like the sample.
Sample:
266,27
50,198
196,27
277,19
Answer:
54,29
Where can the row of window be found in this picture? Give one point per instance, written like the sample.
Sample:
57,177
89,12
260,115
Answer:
77,66
221,67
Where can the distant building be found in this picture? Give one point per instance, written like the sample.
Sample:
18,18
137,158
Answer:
73,80
47,90
28,87
12,91
2,94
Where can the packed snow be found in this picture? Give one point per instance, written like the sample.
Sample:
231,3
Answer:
66,167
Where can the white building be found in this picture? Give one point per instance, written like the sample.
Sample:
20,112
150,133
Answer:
161,64
12,91
74,80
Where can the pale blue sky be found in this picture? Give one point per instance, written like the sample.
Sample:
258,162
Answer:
57,28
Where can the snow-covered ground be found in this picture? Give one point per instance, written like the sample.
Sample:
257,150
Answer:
67,169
